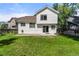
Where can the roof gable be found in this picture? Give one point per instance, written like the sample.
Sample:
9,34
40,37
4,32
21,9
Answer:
13,18
51,9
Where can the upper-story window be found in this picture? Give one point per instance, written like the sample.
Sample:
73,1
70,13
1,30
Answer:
43,17
22,24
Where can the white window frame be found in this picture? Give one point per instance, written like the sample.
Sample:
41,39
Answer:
31,25
22,24
42,17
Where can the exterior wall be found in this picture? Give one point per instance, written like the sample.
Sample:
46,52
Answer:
51,17
12,23
37,30
26,29
51,31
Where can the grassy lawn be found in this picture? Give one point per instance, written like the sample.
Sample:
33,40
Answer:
38,45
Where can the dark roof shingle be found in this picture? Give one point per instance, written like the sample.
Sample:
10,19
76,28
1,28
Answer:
26,19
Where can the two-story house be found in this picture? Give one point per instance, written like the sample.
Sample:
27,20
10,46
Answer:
43,22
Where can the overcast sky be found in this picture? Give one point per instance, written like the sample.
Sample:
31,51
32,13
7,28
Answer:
8,10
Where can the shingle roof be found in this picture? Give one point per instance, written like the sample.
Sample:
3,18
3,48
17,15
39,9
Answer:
70,19
73,19
26,19
32,19
13,18
51,9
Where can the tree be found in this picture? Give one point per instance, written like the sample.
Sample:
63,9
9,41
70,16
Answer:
65,11
73,7
3,26
55,6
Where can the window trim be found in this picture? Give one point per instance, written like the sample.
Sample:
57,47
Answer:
43,17
22,24
31,25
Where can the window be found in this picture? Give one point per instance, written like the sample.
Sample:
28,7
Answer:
22,24
43,17
53,27
32,25
46,29
13,26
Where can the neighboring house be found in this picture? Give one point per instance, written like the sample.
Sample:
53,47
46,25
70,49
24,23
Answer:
43,22
73,21
12,23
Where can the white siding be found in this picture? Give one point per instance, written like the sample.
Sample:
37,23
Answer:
51,17
37,30
26,29
40,29
12,23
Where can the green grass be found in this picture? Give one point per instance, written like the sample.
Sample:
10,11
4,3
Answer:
39,45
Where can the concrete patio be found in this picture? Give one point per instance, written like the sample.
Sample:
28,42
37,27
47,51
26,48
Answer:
34,35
